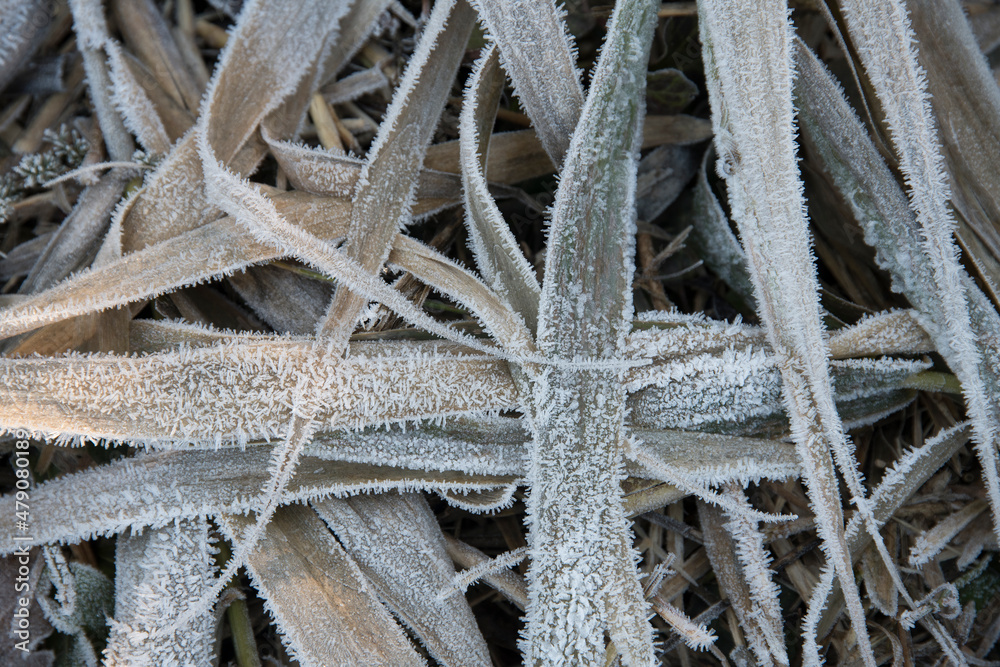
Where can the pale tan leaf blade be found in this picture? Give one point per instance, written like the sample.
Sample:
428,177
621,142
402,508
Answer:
722,552
241,390
92,33
397,543
322,604
259,68
384,196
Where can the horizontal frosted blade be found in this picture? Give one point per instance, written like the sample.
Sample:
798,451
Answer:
396,541
321,603
718,459
210,251
240,391
740,387
154,489
518,156
891,332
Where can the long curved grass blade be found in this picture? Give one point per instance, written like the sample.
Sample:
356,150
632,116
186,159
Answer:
320,601
207,252
718,459
741,390
92,33
437,271
969,124
579,585
754,136
540,58
715,241
157,574
896,233
498,256
396,541
137,111
388,181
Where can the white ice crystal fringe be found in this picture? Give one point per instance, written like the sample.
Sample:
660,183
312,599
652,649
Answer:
697,637
153,490
466,578
930,543
693,483
756,562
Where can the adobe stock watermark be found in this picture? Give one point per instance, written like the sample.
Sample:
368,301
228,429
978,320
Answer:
21,623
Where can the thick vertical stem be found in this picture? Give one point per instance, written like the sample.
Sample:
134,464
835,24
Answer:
583,581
